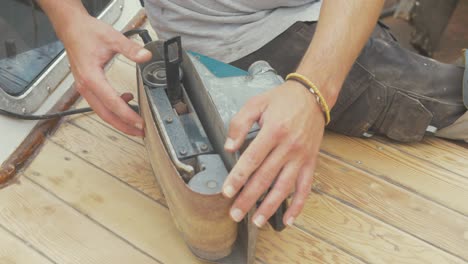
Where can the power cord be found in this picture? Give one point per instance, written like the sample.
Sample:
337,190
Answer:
146,38
54,115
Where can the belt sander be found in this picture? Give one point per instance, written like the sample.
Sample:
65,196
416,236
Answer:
187,101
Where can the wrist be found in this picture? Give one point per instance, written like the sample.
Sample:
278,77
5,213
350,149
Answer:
329,85
313,90
64,14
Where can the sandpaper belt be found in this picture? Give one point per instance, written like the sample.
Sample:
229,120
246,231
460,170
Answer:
203,220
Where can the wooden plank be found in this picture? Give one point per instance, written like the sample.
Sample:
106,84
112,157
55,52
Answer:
440,152
138,219
60,232
419,176
270,245
295,246
394,205
109,151
364,236
14,251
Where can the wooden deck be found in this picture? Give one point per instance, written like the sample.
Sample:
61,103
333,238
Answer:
90,196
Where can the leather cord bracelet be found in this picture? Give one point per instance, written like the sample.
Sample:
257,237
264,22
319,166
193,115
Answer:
314,90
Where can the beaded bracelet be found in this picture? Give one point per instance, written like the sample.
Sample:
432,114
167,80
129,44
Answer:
314,90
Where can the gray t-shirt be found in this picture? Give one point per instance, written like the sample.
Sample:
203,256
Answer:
227,29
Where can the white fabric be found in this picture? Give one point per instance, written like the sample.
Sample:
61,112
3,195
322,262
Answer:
227,30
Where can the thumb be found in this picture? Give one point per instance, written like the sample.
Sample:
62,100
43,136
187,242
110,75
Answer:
133,50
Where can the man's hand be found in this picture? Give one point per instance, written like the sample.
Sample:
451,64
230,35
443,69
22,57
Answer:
284,153
90,44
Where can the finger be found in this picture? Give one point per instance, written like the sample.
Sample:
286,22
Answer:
258,184
280,191
248,162
108,116
98,84
132,50
243,121
303,187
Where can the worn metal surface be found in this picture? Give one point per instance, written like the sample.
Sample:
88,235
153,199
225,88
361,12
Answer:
39,90
211,177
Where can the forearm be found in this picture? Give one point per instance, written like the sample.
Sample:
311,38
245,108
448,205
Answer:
344,27
63,12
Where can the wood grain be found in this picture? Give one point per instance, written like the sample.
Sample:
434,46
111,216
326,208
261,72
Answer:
60,232
375,201
270,244
440,152
364,236
402,209
416,175
295,246
109,151
14,251
141,221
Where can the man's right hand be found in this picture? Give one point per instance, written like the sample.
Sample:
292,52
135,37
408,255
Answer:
90,44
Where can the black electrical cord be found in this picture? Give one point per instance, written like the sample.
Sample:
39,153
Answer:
54,115
146,38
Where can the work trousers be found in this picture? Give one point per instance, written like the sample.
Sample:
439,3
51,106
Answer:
389,90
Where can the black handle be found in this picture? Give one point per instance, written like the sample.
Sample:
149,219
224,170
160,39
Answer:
173,59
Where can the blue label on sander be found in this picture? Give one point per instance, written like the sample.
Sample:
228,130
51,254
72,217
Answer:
218,68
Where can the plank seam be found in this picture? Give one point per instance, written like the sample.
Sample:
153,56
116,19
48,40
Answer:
419,158
110,174
157,201
89,132
26,243
97,120
387,179
348,204
93,220
310,233
392,157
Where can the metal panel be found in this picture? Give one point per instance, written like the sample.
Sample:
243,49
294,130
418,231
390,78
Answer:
49,79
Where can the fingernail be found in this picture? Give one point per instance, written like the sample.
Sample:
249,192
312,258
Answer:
229,144
259,221
139,126
229,191
237,214
142,53
290,221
